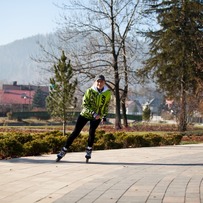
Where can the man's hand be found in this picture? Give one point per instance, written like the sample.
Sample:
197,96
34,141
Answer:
103,120
96,116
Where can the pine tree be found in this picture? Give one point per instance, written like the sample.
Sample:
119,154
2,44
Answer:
39,99
176,54
62,90
146,114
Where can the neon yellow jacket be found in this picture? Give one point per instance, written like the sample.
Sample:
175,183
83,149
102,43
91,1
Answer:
95,102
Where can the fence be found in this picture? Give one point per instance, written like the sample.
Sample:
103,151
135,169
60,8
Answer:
45,115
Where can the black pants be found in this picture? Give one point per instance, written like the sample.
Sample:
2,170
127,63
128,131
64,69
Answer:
81,122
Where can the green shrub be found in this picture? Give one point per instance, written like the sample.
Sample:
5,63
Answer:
152,139
120,138
99,145
55,143
128,141
36,147
10,147
3,136
99,135
79,143
55,133
140,141
16,144
177,138
23,138
171,139
109,137
113,145
134,141
109,141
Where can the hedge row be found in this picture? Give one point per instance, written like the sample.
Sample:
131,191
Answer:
18,144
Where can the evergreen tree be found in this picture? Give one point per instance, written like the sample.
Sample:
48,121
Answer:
176,51
146,114
39,99
62,90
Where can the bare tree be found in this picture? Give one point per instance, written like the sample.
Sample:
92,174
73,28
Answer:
104,26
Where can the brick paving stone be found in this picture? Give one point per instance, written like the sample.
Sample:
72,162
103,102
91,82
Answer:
169,174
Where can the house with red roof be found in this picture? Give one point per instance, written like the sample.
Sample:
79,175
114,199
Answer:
17,98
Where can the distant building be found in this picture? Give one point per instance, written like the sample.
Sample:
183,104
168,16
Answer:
29,87
155,105
133,107
136,107
18,97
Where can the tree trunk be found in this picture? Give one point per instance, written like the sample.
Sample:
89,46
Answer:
116,73
182,126
125,120
117,95
125,91
64,127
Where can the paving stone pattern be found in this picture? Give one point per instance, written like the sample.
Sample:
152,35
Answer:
168,174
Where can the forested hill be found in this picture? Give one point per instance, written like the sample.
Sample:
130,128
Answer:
16,63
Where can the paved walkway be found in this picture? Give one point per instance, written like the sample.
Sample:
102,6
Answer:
172,174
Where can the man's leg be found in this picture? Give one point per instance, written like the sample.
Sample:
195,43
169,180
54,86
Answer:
93,126
81,122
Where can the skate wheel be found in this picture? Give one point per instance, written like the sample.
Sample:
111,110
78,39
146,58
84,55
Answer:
58,159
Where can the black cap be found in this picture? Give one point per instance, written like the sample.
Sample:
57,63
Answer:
100,77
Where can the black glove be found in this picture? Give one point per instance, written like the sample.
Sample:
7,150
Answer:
103,119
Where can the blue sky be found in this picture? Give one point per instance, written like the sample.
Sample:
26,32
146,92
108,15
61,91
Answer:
24,18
